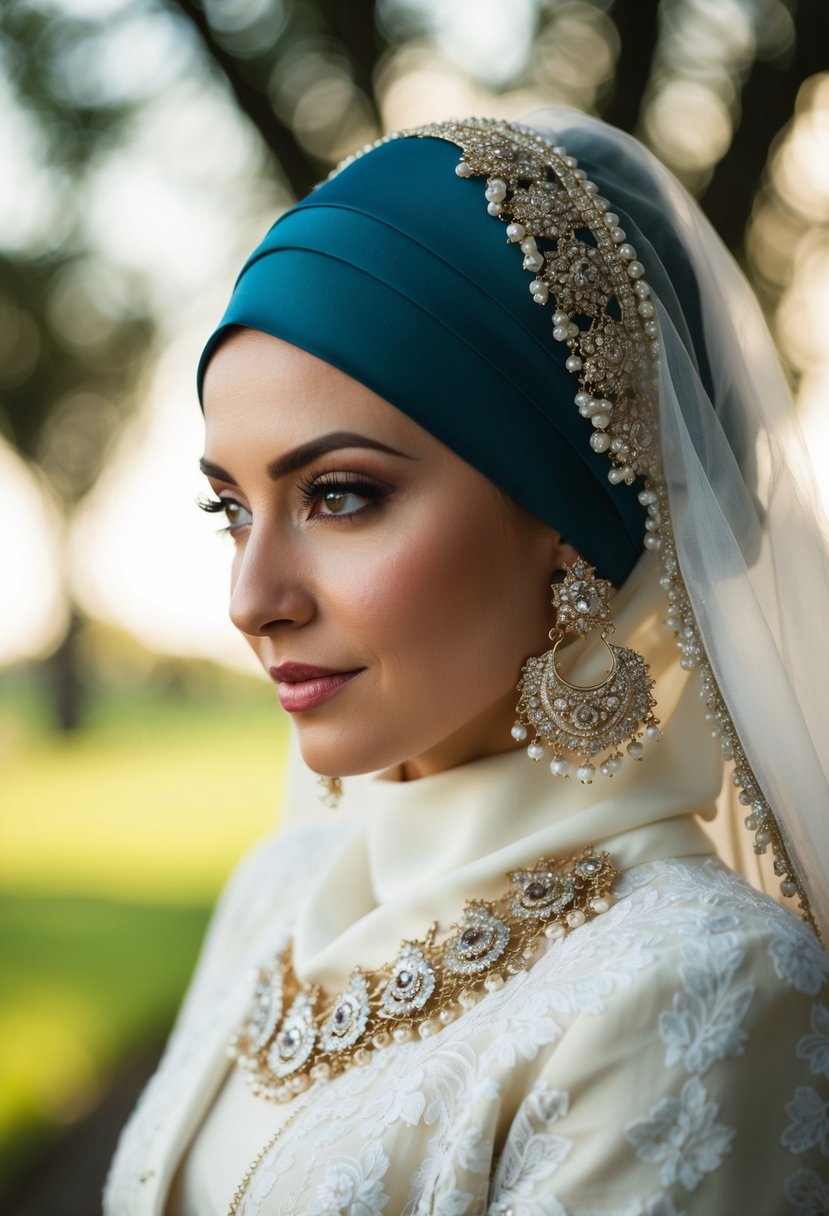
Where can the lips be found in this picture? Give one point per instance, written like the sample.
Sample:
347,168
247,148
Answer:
302,686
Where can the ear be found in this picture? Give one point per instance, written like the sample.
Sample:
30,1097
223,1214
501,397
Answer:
563,553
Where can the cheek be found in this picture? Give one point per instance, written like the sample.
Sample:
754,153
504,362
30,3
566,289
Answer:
442,598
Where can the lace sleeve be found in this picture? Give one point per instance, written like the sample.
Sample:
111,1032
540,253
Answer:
701,1088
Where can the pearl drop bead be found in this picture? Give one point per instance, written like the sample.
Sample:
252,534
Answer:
493,982
401,1034
519,732
627,252
599,441
601,903
560,318
606,770
652,542
554,932
600,421
467,998
494,208
611,219
515,232
751,822
463,169
576,918
645,309
573,364
652,732
586,773
496,190
561,333
559,768
528,245
617,234
635,750
425,1030
446,1016
788,888
615,764
763,837
636,270
535,751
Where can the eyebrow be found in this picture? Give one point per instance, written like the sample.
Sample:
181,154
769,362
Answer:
305,453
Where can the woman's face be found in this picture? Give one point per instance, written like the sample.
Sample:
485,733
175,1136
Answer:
389,590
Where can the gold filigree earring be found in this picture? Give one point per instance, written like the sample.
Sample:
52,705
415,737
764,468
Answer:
330,791
585,720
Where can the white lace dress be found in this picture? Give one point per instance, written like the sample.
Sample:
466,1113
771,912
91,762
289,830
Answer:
670,1056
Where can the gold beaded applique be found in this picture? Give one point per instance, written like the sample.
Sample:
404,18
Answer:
296,1033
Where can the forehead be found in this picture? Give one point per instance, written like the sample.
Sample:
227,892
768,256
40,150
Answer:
257,386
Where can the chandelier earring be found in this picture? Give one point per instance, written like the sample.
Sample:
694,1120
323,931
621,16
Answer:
330,791
584,721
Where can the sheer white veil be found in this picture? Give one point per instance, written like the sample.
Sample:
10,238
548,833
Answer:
749,535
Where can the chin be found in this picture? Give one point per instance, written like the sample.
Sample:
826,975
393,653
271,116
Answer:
345,757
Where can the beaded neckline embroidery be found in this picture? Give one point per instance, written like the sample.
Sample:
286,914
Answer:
297,1033
605,313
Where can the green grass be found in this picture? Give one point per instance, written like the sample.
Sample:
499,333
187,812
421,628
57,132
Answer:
113,844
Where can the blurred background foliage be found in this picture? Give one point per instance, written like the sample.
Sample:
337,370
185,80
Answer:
144,144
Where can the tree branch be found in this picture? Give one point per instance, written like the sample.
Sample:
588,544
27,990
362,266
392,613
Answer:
297,166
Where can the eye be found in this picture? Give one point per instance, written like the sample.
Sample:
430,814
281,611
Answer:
341,495
342,502
236,515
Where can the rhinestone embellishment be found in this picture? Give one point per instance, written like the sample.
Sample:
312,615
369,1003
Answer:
429,984
347,1020
295,1038
481,941
412,983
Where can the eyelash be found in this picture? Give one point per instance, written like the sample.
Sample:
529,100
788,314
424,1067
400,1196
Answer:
311,489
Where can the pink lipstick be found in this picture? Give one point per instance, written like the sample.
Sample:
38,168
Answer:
302,686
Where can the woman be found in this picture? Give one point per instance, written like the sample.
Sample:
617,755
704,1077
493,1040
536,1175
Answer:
491,983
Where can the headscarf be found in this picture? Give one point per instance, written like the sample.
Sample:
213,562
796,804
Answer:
389,271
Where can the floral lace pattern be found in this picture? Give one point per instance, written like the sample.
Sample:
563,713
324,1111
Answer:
682,1136
661,998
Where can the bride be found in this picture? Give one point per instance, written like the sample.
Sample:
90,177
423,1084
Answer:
523,537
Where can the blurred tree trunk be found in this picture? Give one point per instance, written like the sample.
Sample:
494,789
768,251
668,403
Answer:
637,23
767,104
64,670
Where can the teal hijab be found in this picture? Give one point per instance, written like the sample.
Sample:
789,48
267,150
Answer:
394,272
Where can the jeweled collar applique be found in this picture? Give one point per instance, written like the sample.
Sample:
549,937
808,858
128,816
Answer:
297,1033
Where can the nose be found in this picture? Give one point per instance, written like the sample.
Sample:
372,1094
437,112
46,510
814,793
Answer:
268,588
